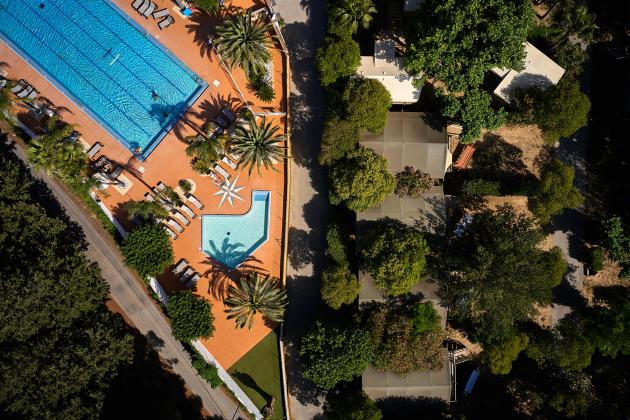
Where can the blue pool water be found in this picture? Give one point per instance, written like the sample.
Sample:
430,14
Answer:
230,239
98,56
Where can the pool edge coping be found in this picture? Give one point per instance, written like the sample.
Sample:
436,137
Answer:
82,107
268,218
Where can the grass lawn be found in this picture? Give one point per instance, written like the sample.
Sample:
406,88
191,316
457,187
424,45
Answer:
258,374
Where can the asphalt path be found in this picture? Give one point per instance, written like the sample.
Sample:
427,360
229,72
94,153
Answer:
132,297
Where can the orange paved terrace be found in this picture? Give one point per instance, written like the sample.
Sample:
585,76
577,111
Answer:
187,39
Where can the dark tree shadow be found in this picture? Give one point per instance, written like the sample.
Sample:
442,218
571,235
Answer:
220,276
402,408
250,382
300,251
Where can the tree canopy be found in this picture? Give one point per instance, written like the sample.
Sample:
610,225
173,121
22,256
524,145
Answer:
458,41
61,347
346,16
361,180
148,250
555,191
337,58
339,286
561,110
332,353
339,138
494,273
191,316
395,256
366,103
356,406
499,356
567,346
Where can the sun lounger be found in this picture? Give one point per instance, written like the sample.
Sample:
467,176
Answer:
144,7
222,171
180,217
94,150
227,112
166,22
161,186
175,225
194,200
3,83
150,10
228,162
192,281
187,274
180,4
188,211
172,234
148,197
136,4
160,14
24,93
180,266
32,95
19,87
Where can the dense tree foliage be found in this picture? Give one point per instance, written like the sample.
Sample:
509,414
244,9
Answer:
256,294
458,41
366,103
480,188
396,344
425,318
609,328
412,182
356,406
395,256
61,347
148,250
332,353
567,346
346,16
191,316
337,243
339,138
494,273
361,180
499,356
145,210
339,286
555,191
561,110
337,58
617,240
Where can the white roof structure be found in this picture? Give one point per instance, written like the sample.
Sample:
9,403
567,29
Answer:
540,71
385,67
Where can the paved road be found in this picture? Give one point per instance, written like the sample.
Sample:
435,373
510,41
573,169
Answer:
134,301
305,26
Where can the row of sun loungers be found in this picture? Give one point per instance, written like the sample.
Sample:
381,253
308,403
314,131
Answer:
24,90
147,8
189,277
178,212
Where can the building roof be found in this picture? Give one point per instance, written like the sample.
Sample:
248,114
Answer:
432,383
427,211
408,141
540,71
385,67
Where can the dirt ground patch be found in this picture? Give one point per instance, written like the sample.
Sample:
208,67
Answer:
456,335
519,202
608,276
529,139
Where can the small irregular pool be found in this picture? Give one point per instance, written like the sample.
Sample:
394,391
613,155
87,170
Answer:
231,239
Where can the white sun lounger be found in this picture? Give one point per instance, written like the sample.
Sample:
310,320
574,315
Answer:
194,200
192,281
136,4
19,87
172,234
150,10
144,7
166,22
180,267
94,150
33,94
24,93
180,217
175,225
184,278
160,14
228,162
225,174
188,211
161,186
148,197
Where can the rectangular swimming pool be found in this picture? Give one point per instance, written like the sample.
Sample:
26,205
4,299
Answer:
101,59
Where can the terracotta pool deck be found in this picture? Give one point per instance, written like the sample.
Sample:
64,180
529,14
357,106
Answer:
168,163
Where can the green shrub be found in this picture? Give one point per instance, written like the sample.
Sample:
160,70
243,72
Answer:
185,185
261,87
148,250
617,241
191,316
210,6
412,182
562,110
339,286
555,192
339,138
337,58
336,239
597,259
480,188
425,318
499,356
208,372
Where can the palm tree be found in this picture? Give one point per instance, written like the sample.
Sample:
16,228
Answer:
256,144
354,13
244,42
145,210
576,23
254,295
67,161
205,151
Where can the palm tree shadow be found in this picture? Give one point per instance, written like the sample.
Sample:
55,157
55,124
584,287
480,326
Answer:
249,382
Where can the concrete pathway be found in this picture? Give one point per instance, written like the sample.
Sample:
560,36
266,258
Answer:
132,298
305,26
